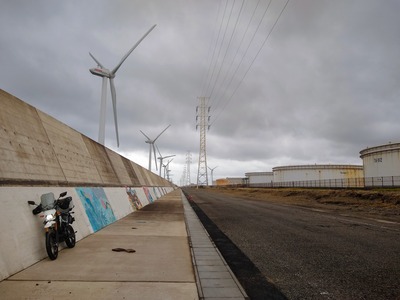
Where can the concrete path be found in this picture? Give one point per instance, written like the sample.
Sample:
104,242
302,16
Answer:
173,259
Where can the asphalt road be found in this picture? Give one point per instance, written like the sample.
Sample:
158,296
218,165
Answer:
303,253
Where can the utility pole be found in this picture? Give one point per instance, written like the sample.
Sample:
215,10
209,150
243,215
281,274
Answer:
212,172
183,177
203,120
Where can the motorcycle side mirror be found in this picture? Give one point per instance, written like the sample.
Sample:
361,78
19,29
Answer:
31,202
63,194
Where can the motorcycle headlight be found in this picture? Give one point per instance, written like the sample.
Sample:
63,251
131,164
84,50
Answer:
49,217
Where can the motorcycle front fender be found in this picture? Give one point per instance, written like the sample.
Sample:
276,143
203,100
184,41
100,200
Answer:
49,224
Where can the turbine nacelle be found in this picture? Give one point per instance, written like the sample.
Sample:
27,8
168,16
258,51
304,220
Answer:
101,72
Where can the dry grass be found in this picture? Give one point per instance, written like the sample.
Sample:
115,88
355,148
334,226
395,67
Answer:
384,204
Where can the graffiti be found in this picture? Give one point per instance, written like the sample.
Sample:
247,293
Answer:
156,192
133,198
148,195
97,207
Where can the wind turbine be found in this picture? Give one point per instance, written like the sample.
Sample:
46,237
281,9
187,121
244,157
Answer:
101,71
152,147
212,173
161,158
166,168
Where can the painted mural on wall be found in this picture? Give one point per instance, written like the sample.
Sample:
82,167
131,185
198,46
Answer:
133,198
156,192
148,195
97,207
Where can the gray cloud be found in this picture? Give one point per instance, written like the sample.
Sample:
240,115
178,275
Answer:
323,87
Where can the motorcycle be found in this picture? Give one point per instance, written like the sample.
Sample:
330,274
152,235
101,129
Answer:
57,221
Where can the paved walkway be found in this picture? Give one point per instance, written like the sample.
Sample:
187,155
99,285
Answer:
173,258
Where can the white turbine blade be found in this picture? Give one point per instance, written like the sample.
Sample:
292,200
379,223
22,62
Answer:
97,62
145,135
158,150
114,103
130,51
155,159
161,133
161,160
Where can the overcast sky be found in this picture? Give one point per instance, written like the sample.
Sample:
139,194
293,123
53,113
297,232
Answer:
288,83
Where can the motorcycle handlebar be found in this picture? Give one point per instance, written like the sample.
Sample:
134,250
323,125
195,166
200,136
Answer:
37,209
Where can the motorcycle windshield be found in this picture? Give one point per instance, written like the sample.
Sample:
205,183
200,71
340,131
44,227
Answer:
47,201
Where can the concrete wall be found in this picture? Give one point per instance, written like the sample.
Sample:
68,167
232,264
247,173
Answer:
22,235
37,149
39,154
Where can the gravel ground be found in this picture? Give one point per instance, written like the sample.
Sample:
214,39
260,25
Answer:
306,244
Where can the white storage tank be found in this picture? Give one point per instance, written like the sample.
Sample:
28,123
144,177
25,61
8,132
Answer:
382,165
322,175
259,178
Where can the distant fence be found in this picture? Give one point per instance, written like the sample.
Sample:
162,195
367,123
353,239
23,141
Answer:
383,181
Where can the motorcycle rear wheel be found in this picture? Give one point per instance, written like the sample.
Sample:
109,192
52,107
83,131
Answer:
51,245
70,237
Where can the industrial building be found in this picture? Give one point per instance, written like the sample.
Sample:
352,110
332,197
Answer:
230,181
382,165
309,176
381,168
319,175
316,172
259,178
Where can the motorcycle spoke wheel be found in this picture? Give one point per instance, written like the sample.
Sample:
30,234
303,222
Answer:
51,245
70,239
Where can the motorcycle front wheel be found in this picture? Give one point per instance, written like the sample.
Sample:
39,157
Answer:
70,237
51,245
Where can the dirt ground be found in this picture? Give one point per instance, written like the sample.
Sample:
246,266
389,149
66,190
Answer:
379,204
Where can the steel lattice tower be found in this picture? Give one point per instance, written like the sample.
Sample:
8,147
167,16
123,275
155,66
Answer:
202,119
183,183
188,162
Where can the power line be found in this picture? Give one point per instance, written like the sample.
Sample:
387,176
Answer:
227,47
203,82
220,48
258,52
203,91
237,51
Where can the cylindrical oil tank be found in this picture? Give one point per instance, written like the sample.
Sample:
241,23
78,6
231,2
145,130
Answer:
316,172
381,161
255,178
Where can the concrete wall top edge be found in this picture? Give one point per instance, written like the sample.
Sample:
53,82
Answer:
48,183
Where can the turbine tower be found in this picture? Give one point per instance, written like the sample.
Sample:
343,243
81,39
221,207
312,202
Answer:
101,71
152,147
161,158
167,170
212,174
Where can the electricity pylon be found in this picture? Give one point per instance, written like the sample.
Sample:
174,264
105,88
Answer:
203,120
188,162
